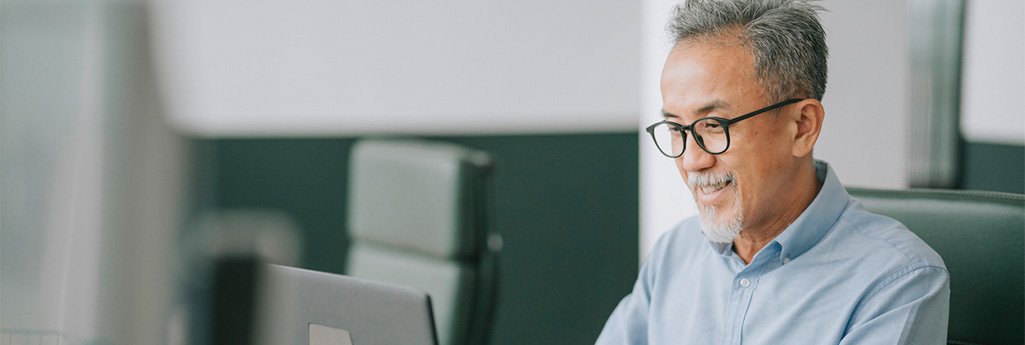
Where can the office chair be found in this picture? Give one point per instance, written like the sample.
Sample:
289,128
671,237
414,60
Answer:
419,216
981,238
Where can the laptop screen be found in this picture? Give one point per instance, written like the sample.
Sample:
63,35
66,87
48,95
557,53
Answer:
306,307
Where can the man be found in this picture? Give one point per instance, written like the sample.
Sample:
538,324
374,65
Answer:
780,253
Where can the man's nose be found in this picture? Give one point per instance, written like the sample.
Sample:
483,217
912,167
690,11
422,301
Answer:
695,158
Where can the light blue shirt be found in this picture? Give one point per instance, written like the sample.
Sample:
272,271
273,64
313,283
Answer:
837,275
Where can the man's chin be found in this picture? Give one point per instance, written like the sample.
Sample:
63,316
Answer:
717,229
719,236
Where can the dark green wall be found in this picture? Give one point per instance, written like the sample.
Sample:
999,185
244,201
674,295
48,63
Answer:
566,205
993,167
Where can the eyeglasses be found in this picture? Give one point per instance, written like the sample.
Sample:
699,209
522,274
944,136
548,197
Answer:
711,133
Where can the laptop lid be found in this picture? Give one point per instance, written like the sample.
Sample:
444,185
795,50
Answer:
305,307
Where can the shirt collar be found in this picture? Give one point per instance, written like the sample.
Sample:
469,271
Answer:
816,220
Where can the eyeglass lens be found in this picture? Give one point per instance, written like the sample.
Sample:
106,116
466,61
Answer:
709,133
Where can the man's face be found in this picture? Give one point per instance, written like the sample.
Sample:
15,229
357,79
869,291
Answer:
741,187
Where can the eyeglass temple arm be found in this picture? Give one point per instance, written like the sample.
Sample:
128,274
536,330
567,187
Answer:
762,110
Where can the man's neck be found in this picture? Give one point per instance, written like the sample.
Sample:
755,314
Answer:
753,239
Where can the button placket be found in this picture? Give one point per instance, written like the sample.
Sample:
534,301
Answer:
744,287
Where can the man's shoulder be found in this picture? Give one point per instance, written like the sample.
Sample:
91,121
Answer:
885,239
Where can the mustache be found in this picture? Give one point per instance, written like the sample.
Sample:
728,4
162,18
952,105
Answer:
699,180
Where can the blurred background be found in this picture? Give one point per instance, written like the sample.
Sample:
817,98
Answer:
126,123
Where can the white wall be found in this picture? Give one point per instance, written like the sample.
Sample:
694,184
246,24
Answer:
324,67
865,130
866,106
993,75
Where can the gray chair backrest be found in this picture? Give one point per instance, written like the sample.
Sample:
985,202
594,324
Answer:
418,216
981,238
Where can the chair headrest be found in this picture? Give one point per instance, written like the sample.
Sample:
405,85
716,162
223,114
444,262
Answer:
417,195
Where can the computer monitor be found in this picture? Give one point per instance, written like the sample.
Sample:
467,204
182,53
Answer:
305,307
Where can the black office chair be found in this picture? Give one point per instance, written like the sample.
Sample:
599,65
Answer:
419,216
981,237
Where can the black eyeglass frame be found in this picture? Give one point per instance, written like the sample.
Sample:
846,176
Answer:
725,123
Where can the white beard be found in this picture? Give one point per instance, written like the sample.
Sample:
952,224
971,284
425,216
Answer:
715,230
720,232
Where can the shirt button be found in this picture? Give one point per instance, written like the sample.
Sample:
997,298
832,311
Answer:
745,283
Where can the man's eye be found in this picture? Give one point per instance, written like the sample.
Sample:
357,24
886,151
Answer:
712,125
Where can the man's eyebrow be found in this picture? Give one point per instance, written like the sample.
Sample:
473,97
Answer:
717,104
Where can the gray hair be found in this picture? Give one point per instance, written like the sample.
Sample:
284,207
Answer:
784,36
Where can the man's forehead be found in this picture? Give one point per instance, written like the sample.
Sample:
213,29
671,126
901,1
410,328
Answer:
697,58
699,78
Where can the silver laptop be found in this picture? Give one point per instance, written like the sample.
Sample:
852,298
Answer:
304,307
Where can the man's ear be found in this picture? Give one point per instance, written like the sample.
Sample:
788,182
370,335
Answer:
809,125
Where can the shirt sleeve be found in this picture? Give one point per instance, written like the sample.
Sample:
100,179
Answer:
628,324
912,308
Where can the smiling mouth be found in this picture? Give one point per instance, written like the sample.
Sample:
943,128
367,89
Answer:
710,184
709,189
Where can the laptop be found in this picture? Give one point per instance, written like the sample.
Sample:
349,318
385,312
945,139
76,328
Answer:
305,307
